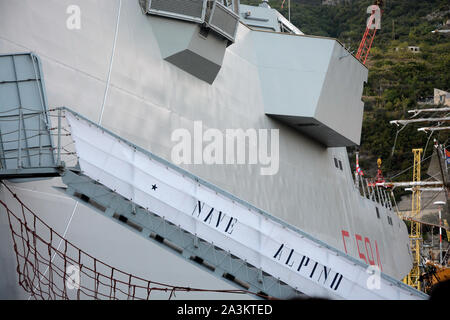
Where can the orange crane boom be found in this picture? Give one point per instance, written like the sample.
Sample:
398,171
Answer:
369,34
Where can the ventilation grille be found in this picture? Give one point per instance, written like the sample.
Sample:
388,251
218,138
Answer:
191,10
223,21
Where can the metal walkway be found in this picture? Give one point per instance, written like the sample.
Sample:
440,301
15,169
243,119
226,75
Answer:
26,145
163,203
192,218
155,228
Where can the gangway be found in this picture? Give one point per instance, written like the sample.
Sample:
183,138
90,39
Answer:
26,145
205,225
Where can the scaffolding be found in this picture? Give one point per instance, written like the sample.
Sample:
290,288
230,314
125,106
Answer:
415,236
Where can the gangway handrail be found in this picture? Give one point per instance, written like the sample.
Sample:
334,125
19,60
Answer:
248,205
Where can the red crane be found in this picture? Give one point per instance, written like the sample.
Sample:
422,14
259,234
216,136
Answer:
373,23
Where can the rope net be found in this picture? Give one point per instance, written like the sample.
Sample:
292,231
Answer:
50,267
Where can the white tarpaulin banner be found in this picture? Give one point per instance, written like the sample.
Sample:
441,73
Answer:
265,242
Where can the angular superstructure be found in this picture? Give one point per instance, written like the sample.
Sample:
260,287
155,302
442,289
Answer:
313,84
196,35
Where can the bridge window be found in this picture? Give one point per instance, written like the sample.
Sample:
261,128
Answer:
390,220
338,164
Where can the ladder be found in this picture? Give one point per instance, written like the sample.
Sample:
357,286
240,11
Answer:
415,235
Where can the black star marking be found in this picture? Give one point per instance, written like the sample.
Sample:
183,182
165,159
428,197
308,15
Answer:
154,187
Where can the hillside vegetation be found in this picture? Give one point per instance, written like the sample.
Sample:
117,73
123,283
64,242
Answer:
398,79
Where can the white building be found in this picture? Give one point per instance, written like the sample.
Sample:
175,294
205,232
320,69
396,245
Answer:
441,97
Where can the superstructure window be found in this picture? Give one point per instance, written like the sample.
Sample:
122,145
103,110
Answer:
338,164
204,32
378,212
389,220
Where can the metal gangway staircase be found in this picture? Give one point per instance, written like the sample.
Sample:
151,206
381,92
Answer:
26,144
222,234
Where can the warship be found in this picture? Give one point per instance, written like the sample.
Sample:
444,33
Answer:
147,89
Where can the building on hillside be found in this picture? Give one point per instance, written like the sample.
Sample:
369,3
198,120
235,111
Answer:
414,49
334,2
444,29
441,97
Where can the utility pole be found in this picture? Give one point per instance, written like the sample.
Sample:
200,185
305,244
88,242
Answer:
440,205
393,29
417,111
289,5
405,122
440,157
432,240
440,236
356,171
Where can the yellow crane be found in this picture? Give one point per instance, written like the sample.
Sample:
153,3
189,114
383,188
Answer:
447,229
415,236
434,274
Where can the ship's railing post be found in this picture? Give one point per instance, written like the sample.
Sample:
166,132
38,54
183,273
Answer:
19,146
58,158
2,153
383,200
362,187
370,189
378,194
381,197
374,197
388,200
366,185
40,139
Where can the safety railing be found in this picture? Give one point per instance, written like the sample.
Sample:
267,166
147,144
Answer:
369,190
34,144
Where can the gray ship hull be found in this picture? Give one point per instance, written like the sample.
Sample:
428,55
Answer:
122,81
